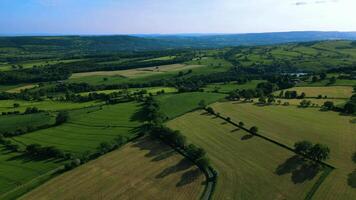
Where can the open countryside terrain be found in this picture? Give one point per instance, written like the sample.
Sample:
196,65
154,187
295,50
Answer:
245,164
142,169
337,92
288,124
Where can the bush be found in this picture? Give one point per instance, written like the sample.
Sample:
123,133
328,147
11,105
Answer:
254,129
62,117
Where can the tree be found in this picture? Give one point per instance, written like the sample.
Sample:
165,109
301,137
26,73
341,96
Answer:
329,105
319,152
350,108
303,147
62,117
323,76
241,124
262,100
16,105
254,129
271,99
210,110
202,104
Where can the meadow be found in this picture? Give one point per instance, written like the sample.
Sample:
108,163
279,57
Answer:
152,90
288,124
173,105
87,128
344,92
14,122
48,105
231,86
248,167
142,169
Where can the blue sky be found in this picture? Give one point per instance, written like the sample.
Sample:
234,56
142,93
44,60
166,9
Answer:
174,16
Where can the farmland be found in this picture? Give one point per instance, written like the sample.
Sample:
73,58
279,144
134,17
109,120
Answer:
245,164
14,122
87,128
290,124
330,92
173,105
155,171
228,87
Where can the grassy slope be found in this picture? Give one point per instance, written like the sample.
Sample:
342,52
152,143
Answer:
291,124
85,131
246,166
152,90
173,105
143,169
13,122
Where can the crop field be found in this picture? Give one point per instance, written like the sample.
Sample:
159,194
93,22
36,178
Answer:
330,92
288,124
339,82
248,167
317,102
88,128
8,105
228,87
173,105
13,122
143,169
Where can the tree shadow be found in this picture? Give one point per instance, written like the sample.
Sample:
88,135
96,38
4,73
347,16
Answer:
354,157
164,155
183,164
189,177
247,137
140,116
25,158
351,179
223,123
235,130
301,169
157,154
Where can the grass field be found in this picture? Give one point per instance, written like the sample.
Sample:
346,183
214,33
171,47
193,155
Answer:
87,128
19,89
290,124
248,167
13,122
339,82
143,169
8,105
318,102
228,87
16,170
330,92
173,105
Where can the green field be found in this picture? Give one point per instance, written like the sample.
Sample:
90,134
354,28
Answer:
8,105
31,64
228,87
143,169
14,122
173,105
290,124
339,82
248,168
331,92
87,128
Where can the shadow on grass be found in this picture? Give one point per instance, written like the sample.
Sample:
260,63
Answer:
189,177
182,165
24,158
155,151
247,137
235,130
354,157
351,179
140,115
301,169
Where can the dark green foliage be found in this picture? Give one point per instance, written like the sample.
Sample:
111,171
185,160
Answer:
62,117
329,105
318,152
254,129
303,147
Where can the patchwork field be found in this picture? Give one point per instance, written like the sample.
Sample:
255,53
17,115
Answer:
88,128
152,90
173,105
290,124
138,72
143,169
248,167
330,92
228,87
19,89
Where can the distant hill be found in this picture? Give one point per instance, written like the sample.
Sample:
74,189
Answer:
102,44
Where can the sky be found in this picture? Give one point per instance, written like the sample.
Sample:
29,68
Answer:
95,17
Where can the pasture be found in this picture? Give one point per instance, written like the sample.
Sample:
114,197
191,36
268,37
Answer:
48,105
19,89
143,169
152,90
14,122
331,92
248,167
173,105
88,128
288,124
229,87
